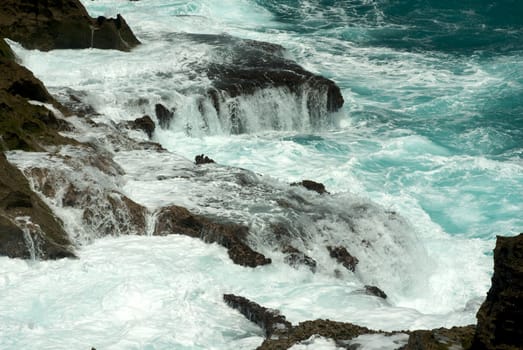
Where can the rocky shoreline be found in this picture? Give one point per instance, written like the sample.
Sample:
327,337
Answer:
34,121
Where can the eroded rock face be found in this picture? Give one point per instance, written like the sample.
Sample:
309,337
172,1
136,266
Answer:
28,228
500,318
144,123
178,220
61,24
243,68
24,125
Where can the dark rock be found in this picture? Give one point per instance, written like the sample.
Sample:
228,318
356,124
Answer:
311,186
23,125
16,199
441,339
178,220
295,258
164,115
268,319
202,159
5,51
249,66
373,290
281,334
343,257
24,216
500,318
144,123
61,24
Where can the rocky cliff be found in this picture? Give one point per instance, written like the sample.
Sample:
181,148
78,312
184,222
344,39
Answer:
61,24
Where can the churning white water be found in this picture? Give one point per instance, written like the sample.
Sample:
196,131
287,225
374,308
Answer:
399,181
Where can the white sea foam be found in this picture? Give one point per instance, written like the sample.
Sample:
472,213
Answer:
440,200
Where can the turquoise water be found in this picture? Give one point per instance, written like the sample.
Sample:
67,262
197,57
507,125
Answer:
431,131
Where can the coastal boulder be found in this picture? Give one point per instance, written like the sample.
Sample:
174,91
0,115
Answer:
62,24
500,318
178,220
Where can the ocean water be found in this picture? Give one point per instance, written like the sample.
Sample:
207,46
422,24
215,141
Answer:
431,130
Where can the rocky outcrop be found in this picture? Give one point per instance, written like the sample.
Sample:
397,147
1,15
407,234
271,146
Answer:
311,186
243,68
28,228
456,338
62,24
202,159
163,114
178,220
268,319
500,318
377,292
280,334
145,124
343,257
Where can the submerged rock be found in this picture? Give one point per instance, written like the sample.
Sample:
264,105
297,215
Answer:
373,290
178,220
294,257
311,186
163,114
243,68
62,24
500,318
343,257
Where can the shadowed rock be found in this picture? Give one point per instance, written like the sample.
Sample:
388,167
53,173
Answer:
178,220
311,186
144,123
281,334
295,258
267,319
373,290
163,115
202,159
61,24
28,228
24,125
343,257
500,318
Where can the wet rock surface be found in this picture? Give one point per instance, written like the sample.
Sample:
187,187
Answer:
202,159
268,319
178,220
311,186
243,67
373,290
295,258
343,257
28,228
500,318
62,24
144,123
